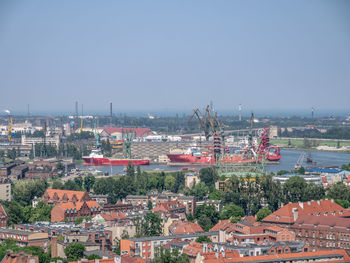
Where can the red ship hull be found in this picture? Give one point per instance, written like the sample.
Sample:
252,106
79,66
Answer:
113,162
189,158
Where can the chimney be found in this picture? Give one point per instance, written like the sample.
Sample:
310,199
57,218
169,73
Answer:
223,254
205,247
308,203
295,213
318,202
97,260
217,254
54,247
301,204
332,200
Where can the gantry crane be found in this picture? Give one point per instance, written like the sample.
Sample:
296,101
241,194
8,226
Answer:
203,121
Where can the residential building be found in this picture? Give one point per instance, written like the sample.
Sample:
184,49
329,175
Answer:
323,232
70,211
146,247
25,238
3,217
289,213
5,189
19,257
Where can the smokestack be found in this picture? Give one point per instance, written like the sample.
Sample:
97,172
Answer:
240,112
111,112
82,110
312,112
76,109
28,110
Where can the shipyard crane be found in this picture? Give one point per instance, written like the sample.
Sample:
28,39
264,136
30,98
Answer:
203,121
9,131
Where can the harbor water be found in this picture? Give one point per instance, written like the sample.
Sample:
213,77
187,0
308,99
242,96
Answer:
288,161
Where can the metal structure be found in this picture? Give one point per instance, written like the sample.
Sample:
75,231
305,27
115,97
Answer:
128,137
203,121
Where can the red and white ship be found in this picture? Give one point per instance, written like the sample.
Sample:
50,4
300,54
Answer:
249,154
96,158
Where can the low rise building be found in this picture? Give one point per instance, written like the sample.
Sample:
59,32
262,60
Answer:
147,247
71,211
25,238
54,196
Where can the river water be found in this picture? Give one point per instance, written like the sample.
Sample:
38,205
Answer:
287,162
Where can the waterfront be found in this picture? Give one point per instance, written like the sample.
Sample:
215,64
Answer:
288,161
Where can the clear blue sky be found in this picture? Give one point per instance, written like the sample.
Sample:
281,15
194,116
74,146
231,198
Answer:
174,55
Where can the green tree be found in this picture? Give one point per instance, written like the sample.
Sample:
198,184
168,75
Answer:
232,210
79,181
263,212
12,154
93,257
200,190
343,203
152,225
25,191
203,239
74,251
71,185
42,212
208,176
301,170
207,216
169,182
89,182
149,205
339,191
57,184
165,256
294,190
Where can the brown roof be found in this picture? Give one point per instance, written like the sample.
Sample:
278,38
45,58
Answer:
211,257
181,227
60,193
19,257
222,225
114,216
321,207
323,222
77,205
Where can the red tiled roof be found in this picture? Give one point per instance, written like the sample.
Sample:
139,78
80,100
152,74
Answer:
60,193
211,257
139,131
2,210
114,216
194,248
167,206
323,222
77,205
181,227
124,259
222,225
285,213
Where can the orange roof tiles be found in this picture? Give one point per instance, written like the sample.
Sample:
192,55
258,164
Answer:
222,225
114,216
211,257
286,215
60,193
181,227
77,205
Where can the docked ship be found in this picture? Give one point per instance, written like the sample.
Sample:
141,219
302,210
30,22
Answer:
194,156
249,154
96,158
